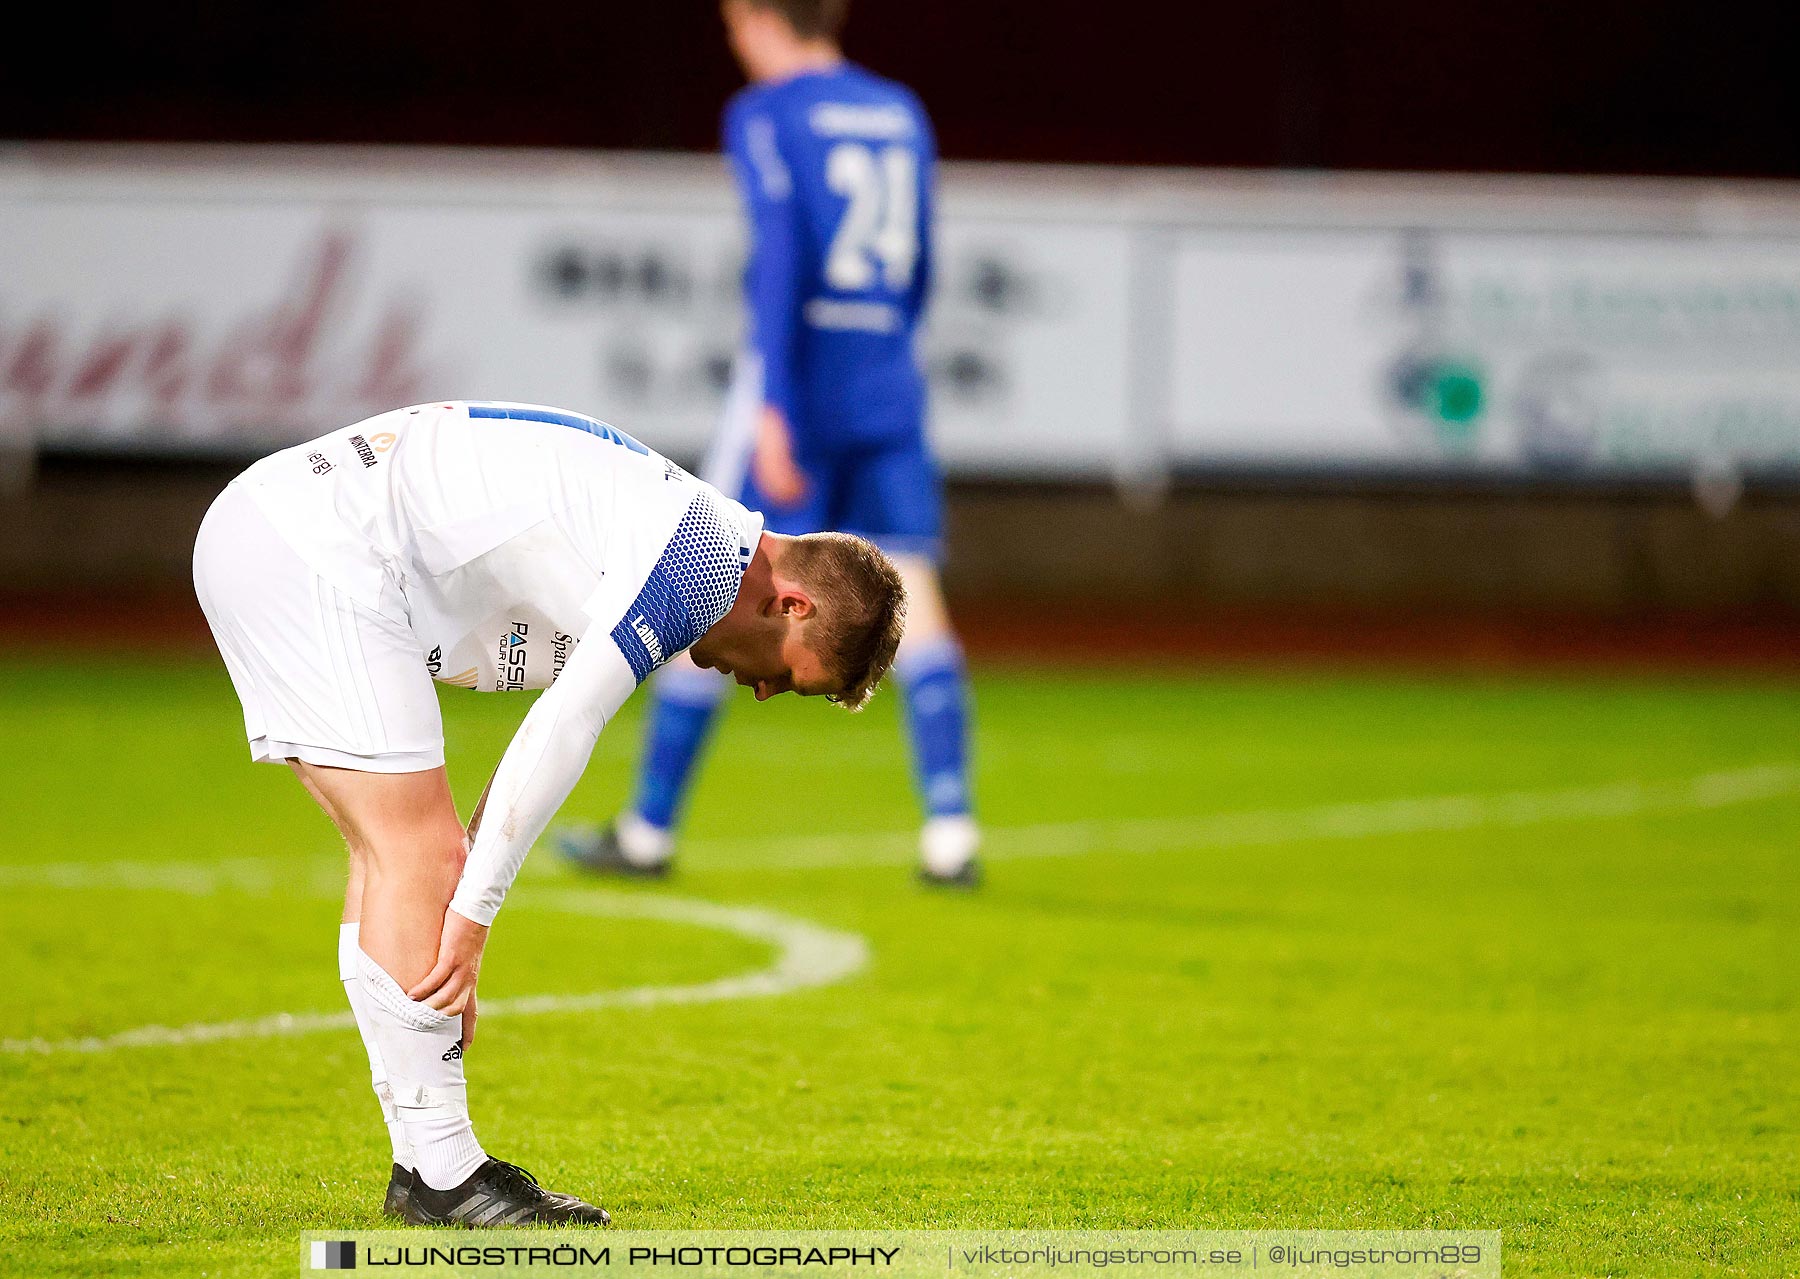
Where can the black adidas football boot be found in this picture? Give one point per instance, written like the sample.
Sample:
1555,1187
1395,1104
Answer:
596,849
498,1194
398,1192
966,878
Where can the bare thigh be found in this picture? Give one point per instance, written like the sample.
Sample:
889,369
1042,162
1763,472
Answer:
406,854
353,886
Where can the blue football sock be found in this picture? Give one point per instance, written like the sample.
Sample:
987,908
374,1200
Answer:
682,711
937,717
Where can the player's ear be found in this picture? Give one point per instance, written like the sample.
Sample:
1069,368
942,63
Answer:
796,603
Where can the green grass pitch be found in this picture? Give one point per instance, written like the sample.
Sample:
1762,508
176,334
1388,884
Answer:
1569,1015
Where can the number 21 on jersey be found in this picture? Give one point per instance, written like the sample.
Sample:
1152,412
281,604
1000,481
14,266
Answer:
880,226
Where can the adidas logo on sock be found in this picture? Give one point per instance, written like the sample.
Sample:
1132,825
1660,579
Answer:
454,1054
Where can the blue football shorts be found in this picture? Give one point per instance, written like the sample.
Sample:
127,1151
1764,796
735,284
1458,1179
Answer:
889,491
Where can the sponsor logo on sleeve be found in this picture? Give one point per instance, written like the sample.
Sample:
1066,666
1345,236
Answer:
647,633
364,451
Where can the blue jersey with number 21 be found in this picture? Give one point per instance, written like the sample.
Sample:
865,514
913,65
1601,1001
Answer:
836,169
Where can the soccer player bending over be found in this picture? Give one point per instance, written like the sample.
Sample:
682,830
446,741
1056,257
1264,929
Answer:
825,424
494,547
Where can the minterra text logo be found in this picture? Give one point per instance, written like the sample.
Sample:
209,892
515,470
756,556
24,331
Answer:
335,1255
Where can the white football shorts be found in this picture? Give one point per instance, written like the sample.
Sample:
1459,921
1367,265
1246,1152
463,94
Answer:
322,678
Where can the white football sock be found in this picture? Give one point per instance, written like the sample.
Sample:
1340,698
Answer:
640,843
947,844
348,949
422,1050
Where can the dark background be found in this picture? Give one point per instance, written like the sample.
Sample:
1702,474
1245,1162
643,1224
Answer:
1604,86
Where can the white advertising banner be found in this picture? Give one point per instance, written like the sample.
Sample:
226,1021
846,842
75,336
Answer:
1524,352
219,309
1084,322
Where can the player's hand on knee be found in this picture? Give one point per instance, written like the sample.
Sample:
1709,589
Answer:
450,985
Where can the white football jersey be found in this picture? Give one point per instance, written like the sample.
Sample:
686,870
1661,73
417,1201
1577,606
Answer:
500,533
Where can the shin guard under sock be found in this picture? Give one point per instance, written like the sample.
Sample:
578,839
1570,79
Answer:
348,948
422,1051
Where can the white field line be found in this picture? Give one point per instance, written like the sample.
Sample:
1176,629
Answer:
1274,826
312,876
1255,827
810,955
807,955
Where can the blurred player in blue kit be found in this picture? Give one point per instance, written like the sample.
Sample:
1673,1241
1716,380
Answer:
824,426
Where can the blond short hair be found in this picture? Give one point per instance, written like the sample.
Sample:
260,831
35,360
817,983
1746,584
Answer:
861,609
810,19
